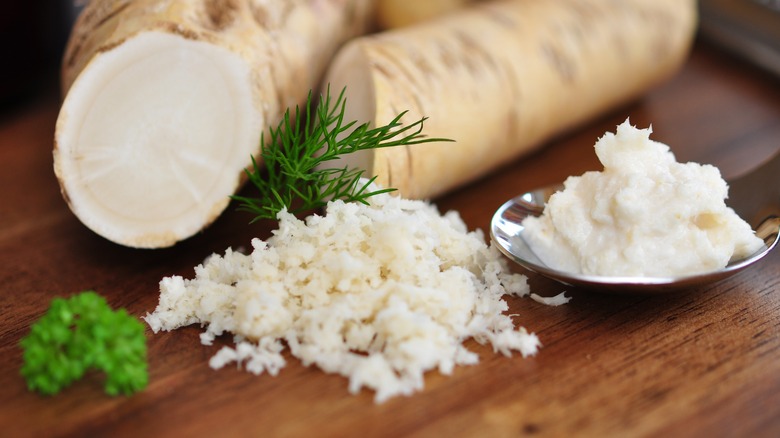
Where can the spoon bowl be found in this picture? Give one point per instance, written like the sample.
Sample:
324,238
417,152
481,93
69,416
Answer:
506,231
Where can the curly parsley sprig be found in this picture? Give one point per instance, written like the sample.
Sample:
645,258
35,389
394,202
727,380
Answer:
297,177
82,333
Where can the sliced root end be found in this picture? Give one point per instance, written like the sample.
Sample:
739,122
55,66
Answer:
153,136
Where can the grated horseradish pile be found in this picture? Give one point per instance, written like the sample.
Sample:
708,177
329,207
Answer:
644,215
378,293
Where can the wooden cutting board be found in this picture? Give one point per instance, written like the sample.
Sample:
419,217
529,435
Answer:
705,362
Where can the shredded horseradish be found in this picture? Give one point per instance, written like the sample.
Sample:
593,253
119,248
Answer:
377,293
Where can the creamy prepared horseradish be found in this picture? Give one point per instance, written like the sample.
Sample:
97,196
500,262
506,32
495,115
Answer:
645,214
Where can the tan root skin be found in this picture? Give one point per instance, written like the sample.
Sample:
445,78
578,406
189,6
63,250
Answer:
166,101
391,14
500,78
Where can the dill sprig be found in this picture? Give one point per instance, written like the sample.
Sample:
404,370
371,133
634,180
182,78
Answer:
295,159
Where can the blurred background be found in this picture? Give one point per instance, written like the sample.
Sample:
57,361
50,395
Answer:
34,33
749,29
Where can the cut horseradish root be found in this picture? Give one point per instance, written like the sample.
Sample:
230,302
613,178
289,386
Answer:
142,155
166,102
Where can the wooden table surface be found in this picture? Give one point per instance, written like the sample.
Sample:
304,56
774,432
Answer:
705,362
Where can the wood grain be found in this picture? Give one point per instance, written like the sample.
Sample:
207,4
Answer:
705,362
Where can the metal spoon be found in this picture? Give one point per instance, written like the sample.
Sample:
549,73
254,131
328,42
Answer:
755,196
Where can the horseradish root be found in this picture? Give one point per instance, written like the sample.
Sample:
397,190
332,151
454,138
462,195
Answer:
166,101
502,77
398,13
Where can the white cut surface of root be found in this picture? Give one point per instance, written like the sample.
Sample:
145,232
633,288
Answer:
157,133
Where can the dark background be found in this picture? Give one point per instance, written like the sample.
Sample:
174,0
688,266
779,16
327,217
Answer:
32,39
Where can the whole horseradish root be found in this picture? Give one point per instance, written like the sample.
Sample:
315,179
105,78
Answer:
166,101
502,77
398,13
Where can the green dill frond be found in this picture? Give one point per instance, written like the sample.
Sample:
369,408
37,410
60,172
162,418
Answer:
295,175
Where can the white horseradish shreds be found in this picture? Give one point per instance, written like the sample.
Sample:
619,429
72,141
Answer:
645,214
379,294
